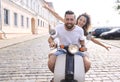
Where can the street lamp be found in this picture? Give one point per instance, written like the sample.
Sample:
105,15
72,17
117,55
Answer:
2,33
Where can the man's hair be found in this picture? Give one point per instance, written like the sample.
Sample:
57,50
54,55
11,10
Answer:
69,12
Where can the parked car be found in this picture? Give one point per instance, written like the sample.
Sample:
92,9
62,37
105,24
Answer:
112,34
97,31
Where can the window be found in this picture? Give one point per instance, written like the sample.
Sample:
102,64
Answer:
41,23
31,4
27,22
38,22
22,20
15,19
6,16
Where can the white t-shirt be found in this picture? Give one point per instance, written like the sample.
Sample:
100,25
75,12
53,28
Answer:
88,38
69,37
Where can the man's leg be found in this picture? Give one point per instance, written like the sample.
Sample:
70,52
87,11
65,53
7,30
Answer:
51,62
87,63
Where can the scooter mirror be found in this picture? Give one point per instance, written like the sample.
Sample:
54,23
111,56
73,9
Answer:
52,32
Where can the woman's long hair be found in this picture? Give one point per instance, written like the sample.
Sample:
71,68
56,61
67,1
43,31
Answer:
87,25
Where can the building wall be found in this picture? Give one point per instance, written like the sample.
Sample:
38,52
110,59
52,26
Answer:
25,16
11,27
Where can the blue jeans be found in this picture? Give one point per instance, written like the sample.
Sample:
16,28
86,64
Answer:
63,51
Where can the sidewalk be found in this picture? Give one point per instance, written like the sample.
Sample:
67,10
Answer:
12,41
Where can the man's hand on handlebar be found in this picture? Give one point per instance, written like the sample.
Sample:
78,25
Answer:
52,44
83,48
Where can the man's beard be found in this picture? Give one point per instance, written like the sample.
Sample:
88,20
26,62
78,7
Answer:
69,26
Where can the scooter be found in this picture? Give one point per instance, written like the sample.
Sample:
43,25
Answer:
69,67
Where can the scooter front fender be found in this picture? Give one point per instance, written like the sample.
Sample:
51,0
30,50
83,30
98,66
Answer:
59,71
79,71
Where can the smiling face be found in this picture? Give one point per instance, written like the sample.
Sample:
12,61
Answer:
69,21
82,21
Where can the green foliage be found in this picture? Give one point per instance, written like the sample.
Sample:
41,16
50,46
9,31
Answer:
118,7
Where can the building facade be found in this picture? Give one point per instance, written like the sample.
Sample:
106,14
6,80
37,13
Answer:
20,17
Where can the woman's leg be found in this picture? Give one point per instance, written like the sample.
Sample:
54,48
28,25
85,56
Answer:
87,63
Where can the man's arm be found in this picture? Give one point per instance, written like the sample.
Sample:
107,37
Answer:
82,43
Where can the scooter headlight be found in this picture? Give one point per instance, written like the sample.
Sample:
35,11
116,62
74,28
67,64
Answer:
73,49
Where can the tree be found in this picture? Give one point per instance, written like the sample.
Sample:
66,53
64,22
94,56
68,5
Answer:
117,6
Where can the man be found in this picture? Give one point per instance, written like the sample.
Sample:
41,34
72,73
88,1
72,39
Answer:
68,33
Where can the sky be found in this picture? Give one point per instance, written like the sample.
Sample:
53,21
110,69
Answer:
102,12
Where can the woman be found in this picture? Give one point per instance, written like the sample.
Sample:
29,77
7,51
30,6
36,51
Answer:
84,21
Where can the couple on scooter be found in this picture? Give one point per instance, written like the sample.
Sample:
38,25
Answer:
69,33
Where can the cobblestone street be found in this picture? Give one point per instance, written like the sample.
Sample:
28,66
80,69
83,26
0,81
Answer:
27,62
105,64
